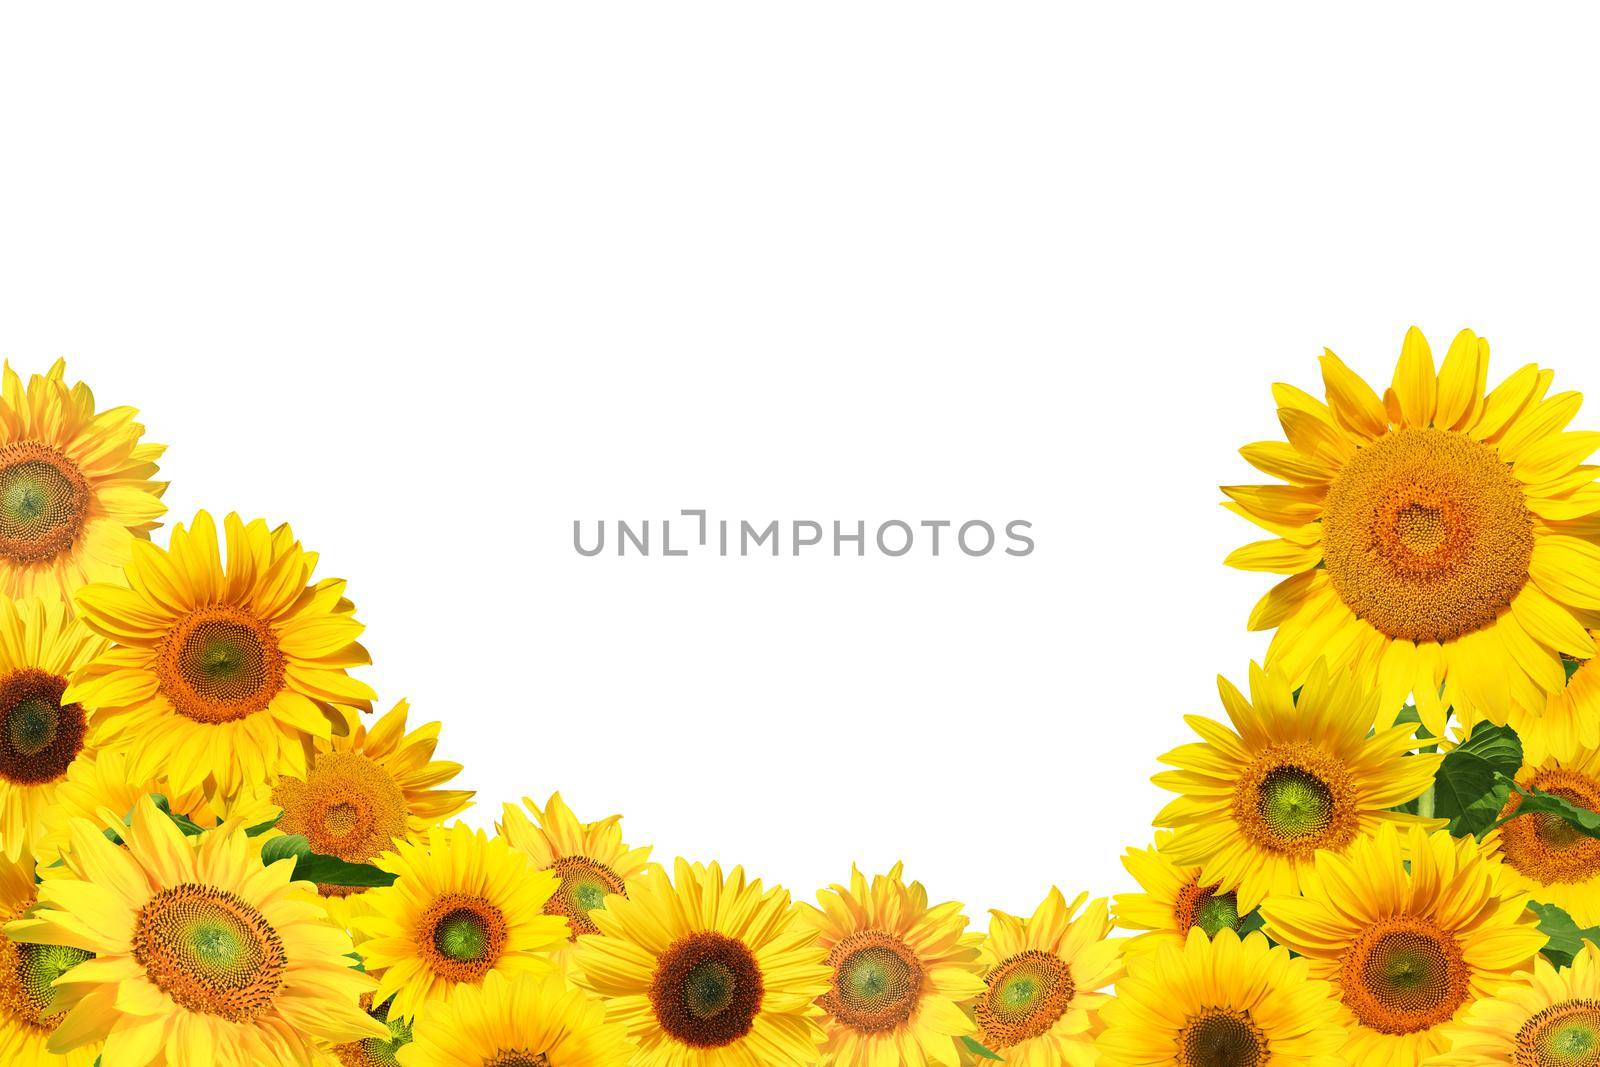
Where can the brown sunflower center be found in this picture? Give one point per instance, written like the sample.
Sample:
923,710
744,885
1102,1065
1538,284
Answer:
585,884
348,806
877,982
1546,848
1403,975
220,664
462,937
1222,1037
1427,534
44,500
1562,1035
26,975
1203,906
39,736
1027,994
209,951
707,990
519,1057
1296,798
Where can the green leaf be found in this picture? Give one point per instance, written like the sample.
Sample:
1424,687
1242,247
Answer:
1251,923
979,1051
285,847
1571,666
1538,802
1471,785
189,827
1566,937
329,870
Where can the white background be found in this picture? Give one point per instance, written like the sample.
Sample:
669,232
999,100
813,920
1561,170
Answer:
433,281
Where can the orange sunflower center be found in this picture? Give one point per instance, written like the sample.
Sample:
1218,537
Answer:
707,990
519,1057
1222,1037
462,937
1545,847
220,664
39,736
210,951
44,500
1427,535
585,884
1294,799
26,974
1562,1035
348,806
1202,906
1027,994
1403,975
877,982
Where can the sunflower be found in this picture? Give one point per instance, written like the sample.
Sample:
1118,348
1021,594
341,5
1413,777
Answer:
75,486
202,955
218,678
590,858
375,1051
1410,933
525,1022
1544,855
899,971
1221,1002
28,1012
707,970
1569,720
1042,979
1296,777
1549,1019
365,790
1174,901
1435,539
464,905
42,736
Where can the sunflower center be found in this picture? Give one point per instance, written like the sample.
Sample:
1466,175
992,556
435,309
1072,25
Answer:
209,951
519,1057
219,664
877,982
1204,907
26,975
1546,848
707,990
1427,535
376,1051
1295,799
347,806
1027,994
39,738
1403,975
585,884
1222,1037
44,500
1562,1035
463,937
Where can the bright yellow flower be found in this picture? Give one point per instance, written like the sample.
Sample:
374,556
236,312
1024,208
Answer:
1409,933
1043,978
464,905
1544,856
1221,1002
1569,720
42,736
518,1023
220,678
707,971
202,955
900,971
1291,778
375,1051
1548,1019
1436,537
29,1013
75,486
1174,901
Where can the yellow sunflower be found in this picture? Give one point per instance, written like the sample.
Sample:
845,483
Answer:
525,1022
375,1051
365,790
220,678
1409,933
1549,1019
1221,1002
1543,855
42,736
1291,778
1174,901
900,971
1569,720
1043,978
75,486
464,905
1435,538
202,955
29,1013
707,971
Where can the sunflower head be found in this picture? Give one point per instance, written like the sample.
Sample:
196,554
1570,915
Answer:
1175,900
589,858
1439,540
76,486
30,1010
1543,855
1549,1018
220,677
516,1023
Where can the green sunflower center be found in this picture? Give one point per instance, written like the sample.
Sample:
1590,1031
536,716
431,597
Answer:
877,982
1222,1037
39,738
1562,1035
1295,803
1216,913
1027,994
31,726
585,884
380,1052
210,951
462,936
220,664
37,968
708,989
43,501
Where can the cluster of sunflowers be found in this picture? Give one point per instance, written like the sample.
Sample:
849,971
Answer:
1389,854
